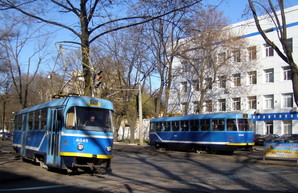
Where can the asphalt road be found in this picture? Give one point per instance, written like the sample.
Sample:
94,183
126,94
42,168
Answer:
144,169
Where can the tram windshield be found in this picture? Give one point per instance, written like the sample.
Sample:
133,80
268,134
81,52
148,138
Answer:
91,119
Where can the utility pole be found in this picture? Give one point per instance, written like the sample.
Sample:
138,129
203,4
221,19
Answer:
141,137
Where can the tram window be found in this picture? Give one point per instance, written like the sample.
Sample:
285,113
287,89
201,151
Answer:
158,126
194,125
43,119
218,125
184,125
36,120
175,126
167,126
231,125
152,126
205,124
30,121
18,122
70,119
59,119
243,125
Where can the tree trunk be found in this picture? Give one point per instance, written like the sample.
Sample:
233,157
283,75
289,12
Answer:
85,49
294,71
87,73
132,132
158,99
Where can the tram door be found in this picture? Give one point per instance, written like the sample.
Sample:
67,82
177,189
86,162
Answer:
55,125
24,134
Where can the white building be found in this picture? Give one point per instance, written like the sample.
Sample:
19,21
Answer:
267,86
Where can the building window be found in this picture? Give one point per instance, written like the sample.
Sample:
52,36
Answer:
184,87
252,102
287,73
208,105
269,50
195,85
268,102
237,79
269,75
252,53
222,104
269,127
222,82
236,104
287,127
221,58
252,76
287,100
208,83
196,107
236,56
184,108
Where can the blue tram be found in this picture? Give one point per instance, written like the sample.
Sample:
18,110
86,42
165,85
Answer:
203,132
67,133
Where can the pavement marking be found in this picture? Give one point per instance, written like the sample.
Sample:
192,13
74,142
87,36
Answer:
32,188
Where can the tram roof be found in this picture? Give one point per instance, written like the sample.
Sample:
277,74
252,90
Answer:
204,116
83,101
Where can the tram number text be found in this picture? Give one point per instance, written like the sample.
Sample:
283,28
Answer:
79,140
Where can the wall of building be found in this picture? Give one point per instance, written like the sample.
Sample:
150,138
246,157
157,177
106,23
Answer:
279,88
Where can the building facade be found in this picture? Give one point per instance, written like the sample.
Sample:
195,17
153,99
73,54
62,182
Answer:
264,88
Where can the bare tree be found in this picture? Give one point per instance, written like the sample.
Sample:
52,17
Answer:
125,67
162,37
276,13
5,85
209,57
90,28
22,73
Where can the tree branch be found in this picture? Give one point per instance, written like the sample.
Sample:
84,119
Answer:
137,23
261,31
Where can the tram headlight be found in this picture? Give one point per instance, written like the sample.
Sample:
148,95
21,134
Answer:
109,148
80,147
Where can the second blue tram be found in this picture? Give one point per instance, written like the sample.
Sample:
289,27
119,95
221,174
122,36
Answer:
203,132
58,133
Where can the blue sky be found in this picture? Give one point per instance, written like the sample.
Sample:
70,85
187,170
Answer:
234,9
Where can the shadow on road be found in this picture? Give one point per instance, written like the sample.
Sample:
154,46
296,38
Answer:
11,182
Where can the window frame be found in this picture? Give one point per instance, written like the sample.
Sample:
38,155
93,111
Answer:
269,75
269,99
269,52
252,77
252,53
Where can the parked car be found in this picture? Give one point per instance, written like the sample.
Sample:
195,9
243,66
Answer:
7,136
259,139
270,137
287,138
282,138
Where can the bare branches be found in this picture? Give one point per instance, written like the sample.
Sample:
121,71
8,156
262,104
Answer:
90,28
